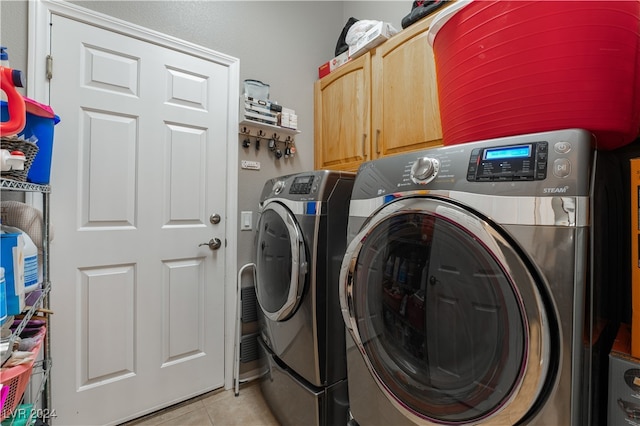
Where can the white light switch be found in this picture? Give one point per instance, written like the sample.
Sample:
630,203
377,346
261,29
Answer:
246,221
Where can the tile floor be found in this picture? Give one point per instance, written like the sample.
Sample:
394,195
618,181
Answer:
217,408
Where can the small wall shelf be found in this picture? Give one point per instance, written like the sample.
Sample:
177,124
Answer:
265,130
280,141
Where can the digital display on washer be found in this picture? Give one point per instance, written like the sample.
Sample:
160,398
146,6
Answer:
518,151
519,162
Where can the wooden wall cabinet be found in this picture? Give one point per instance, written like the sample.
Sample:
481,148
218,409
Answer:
342,116
382,103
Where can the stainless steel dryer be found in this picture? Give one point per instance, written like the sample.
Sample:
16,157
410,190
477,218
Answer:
468,285
300,243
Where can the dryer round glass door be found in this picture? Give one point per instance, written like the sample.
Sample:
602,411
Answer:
281,264
449,317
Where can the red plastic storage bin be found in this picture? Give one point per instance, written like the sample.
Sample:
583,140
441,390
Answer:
514,67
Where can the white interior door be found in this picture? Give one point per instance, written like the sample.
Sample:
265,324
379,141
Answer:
139,167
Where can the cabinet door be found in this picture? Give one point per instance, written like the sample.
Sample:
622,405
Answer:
342,111
406,114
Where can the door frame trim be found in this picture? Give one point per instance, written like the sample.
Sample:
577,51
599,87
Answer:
39,43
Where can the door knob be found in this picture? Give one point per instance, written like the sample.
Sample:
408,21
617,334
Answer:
215,218
214,244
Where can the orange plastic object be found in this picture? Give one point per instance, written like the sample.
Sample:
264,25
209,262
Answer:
9,79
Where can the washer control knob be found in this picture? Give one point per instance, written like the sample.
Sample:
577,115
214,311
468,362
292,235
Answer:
278,187
424,170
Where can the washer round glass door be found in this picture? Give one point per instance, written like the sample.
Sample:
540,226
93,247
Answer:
281,264
448,316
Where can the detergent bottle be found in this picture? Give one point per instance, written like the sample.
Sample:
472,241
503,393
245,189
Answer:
12,260
32,270
9,80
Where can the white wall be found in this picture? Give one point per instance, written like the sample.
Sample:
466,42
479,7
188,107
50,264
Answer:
388,11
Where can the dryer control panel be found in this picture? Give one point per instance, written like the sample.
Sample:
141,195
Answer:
315,185
302,184
518,162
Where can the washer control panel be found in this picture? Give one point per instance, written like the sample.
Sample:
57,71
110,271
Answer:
554,163
518,162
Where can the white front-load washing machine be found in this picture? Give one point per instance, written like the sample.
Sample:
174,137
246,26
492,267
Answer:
300,242
469,286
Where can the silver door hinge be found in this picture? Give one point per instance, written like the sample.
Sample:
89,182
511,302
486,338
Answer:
49,67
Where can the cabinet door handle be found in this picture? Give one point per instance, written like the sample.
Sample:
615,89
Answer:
377,141
364,145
